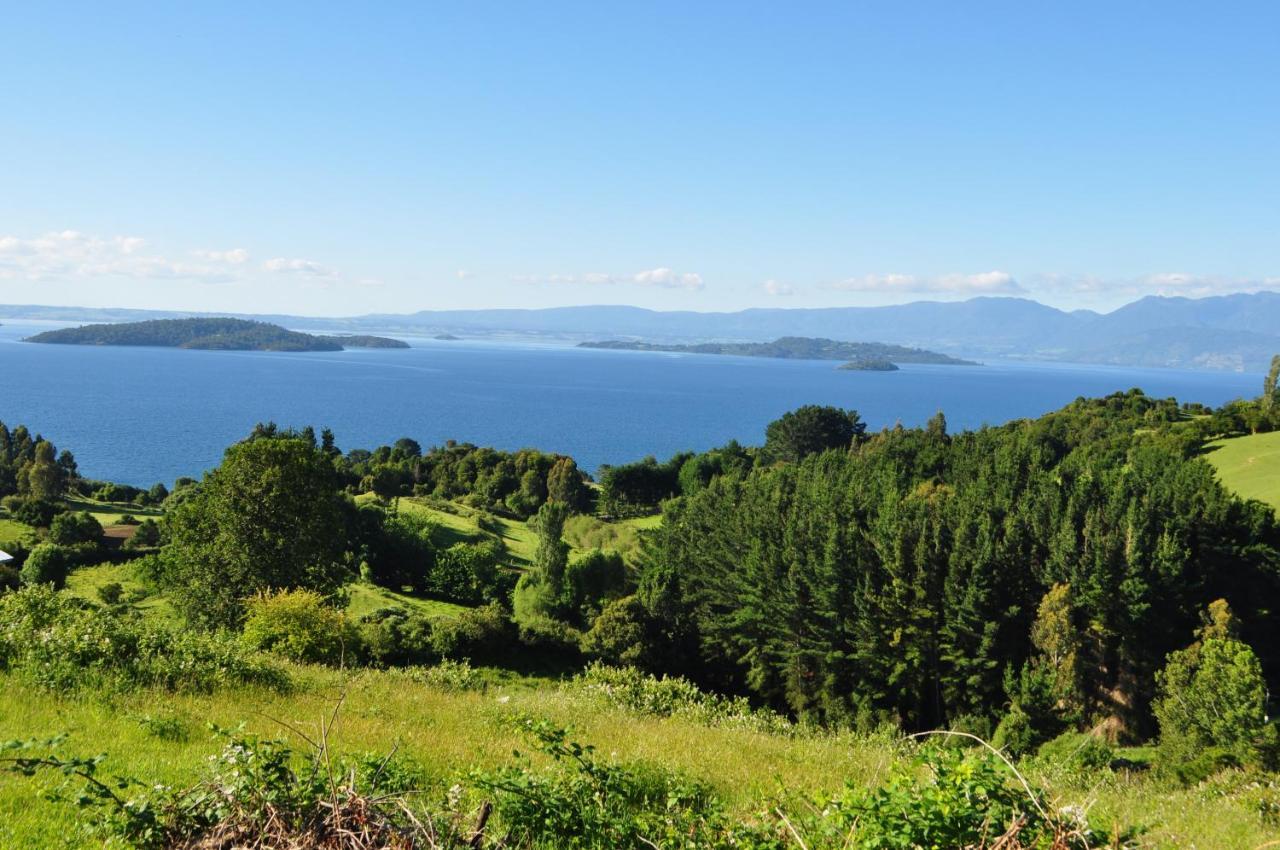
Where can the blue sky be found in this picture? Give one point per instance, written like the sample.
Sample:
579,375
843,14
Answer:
333,159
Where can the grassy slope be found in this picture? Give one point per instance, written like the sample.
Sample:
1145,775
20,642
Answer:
447,732
1250,465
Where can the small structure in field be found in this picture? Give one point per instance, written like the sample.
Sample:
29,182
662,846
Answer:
5,557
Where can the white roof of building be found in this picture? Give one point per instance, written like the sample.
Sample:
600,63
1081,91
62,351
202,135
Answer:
5,556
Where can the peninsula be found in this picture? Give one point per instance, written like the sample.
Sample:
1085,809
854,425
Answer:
209,334
798,348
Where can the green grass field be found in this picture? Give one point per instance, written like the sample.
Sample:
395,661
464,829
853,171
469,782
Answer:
447,732
1249,465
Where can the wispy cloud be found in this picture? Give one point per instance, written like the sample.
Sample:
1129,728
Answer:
298,266
777,288
1158,283
662,276
982,283
70,254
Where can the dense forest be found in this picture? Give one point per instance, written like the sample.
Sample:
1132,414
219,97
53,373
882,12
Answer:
796,348
210,334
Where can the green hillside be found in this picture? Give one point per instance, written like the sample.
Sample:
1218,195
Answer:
1250,465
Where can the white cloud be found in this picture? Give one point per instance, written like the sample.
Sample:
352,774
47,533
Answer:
463,274
982,283
777,288
660,277
70,254
298,266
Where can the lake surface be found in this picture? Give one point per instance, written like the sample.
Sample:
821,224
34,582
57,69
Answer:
141,415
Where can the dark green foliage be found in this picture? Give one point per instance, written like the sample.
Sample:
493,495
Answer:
621,634
111,593
394,636
904,578
226,334
48,564
270,517
39,513
590,582
147,535
481,635
10,577
634,489
811,429
71,528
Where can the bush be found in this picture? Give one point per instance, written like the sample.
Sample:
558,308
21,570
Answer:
673,696
620,635
35,512
299,625
1211,695
10,578
969,799
111,593
1077,751
71,529
481,634
47,564
58,643
146,536
394,636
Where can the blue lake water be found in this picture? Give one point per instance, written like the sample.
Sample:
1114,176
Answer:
141,415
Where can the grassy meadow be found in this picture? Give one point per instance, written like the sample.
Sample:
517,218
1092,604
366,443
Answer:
164,738
1249,465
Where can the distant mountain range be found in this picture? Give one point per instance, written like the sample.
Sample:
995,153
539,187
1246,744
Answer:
1234,332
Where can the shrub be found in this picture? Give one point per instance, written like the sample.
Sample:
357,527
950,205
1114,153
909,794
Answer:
47,564
299,625
620,635
1077,751
58,643
1211,695
35,512
72,528
111,593
585,802
453,676
477,635
673,696
146,536
969,799
395,636
10,578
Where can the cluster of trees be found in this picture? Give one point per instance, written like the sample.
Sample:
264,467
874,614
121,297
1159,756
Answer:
1043,570
512,484
31,466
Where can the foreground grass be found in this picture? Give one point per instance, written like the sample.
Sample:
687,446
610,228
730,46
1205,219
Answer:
162,738
1249,465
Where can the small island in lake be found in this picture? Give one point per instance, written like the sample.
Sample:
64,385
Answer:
211,335
447,337
868,364
798,348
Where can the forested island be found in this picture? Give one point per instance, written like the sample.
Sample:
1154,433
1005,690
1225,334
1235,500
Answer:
210,335
796,348
1081,591
869,364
